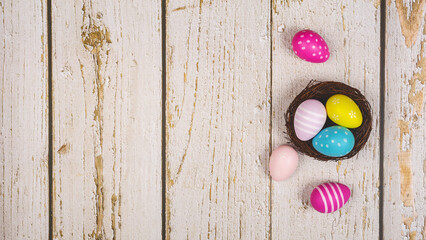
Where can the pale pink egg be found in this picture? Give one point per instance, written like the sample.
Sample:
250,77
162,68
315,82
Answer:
330,197
309,118
310,46
283,162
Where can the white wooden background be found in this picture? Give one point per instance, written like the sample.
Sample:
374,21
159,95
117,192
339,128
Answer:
164,114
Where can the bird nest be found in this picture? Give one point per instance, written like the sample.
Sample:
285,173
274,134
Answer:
322,91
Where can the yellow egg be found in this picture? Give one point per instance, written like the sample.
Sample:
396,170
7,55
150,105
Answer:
343,111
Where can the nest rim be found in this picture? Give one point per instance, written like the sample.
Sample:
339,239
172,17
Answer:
322,91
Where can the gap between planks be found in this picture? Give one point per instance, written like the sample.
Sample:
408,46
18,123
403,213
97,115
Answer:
163,116
50,115
382,111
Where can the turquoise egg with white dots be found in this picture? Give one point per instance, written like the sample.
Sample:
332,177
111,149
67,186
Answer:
335,141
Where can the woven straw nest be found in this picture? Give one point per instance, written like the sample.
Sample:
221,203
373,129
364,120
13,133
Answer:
321,91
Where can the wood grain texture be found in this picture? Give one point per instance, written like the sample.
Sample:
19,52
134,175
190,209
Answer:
218,119
352,32
107,119
24,119
405,154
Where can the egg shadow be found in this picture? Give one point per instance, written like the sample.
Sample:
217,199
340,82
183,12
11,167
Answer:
287,37
305,196
279,131
286,97
287,94
264,157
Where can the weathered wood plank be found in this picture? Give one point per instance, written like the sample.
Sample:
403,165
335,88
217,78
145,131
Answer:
24,119
218,119
352,32
404,151
107,119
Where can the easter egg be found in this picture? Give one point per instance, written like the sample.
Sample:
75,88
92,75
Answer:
310,46
309,118
330,197
335,141
343,111
283,162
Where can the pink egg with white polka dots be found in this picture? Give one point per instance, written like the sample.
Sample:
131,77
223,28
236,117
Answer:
310,46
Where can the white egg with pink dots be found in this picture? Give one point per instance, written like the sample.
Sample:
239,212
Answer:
310,46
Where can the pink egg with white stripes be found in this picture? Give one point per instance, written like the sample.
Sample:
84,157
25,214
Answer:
310,46
330,197
309,119
283,162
